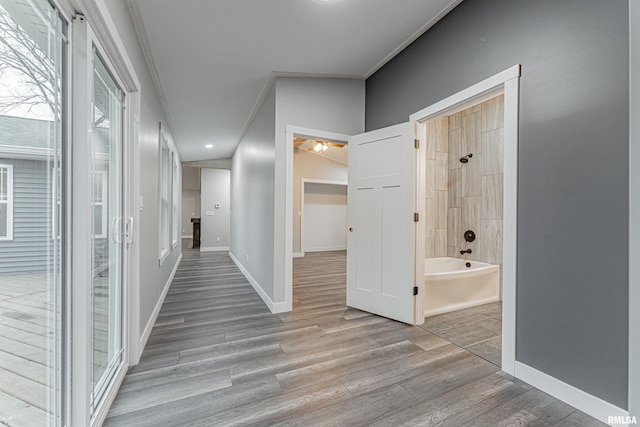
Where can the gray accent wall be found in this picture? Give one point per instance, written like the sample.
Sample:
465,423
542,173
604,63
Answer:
573,287
634,209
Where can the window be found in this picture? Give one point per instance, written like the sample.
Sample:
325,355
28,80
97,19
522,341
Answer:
6,202
176,194
165,197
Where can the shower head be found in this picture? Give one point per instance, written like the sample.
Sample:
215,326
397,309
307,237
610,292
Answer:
466,158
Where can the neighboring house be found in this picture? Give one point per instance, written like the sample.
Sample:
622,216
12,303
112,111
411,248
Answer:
27,167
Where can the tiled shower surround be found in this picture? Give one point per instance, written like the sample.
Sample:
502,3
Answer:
466,196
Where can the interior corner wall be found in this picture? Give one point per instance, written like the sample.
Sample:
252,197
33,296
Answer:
333,105
310,166
215,209
153,278
252,196
573,232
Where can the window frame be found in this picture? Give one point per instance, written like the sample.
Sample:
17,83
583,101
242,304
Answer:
9,202
164,197
175,196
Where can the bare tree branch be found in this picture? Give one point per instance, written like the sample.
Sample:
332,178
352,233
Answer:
38,76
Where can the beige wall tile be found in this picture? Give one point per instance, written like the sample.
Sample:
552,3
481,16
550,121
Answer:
454,225
441,170
472,176
431,139
441,208
453,251
454,185
441,243
442,135
493,114
430,248
430,173
471,110
430,221
455,121
492,152
471,134
476,247
455,149
491,245
471,210
492,196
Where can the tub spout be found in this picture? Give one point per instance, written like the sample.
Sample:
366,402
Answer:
468,251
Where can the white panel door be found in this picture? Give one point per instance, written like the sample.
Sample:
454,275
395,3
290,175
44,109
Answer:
381,238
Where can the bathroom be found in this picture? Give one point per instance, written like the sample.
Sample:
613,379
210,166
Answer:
464,182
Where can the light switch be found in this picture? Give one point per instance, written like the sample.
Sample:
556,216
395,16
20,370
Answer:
210,213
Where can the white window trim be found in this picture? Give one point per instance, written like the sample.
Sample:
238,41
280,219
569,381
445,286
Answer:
164,184
9,203
175,204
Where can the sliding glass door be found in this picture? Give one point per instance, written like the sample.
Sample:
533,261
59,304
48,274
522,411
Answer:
32,200
107,229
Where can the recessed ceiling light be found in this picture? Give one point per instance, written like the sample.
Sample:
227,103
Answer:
208,146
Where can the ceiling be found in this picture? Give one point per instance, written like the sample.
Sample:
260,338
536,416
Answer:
211,60
334,151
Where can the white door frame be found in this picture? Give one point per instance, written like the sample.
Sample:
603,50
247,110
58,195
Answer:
302,185
507,82
291,132
113,54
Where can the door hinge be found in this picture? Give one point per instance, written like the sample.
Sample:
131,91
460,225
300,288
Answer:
415,290
416,217
416,143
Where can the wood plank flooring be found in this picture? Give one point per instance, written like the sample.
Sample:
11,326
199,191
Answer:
26,343
218,357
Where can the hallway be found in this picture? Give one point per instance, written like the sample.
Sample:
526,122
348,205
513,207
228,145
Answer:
217,356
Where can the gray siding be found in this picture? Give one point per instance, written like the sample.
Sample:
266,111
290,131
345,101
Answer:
32,235
572,297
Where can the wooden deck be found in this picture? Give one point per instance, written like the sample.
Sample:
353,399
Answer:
26,350
218,357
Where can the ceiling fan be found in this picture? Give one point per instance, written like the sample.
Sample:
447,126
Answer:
315,145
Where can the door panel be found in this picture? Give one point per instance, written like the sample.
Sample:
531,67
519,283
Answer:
107,230
381,243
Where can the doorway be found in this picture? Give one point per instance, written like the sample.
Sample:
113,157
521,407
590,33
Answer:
305,143
463,227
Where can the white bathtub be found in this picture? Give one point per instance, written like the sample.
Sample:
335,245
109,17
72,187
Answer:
450,285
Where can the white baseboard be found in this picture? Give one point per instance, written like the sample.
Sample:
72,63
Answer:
298,254
214,249
156,310
569,394
275,307
326,249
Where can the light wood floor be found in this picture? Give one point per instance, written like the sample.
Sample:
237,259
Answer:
217,357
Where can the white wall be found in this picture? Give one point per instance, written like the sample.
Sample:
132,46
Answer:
214,226
252,197
325,217
190,198
310,166
153,278
333,105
